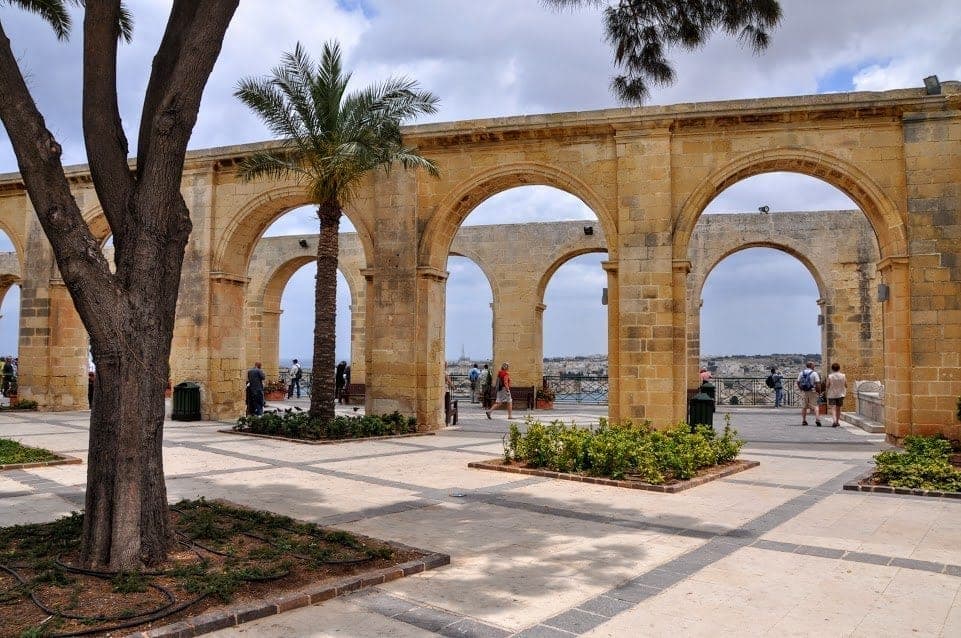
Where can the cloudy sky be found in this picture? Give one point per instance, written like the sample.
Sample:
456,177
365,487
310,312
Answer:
510,57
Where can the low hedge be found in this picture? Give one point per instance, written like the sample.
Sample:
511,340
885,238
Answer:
619,450
296,424
923,465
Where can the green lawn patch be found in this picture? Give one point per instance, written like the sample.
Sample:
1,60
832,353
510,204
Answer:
621,450
13,453
294,423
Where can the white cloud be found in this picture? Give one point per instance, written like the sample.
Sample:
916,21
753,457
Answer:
502,57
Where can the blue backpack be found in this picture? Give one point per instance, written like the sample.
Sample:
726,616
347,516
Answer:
805,382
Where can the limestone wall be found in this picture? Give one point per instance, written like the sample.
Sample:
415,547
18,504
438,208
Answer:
647,174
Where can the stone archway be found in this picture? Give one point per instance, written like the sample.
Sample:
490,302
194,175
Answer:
451,211
886,222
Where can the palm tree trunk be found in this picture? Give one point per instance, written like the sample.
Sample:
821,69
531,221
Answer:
325,313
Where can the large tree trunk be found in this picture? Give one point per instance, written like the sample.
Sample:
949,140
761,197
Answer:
325,313
126,522
128,314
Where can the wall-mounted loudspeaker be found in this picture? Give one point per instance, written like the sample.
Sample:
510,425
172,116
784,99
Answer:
883,292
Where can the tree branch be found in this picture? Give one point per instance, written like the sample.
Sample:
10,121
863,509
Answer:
102,127
187,53
38,157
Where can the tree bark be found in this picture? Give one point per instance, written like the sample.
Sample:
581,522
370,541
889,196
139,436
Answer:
129,315
325,313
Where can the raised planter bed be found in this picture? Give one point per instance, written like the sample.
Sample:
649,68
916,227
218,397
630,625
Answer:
327,441
868,483
62,459
705,475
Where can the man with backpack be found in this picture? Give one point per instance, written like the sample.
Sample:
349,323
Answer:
296,373
808,382
473,376
775,382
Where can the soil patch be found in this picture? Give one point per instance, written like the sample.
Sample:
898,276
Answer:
230,565
704,475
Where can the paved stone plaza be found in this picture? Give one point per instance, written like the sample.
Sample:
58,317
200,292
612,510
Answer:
776,550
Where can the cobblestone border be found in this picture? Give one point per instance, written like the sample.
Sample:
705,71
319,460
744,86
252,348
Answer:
857,486
711,475
62,459
328,441
310,595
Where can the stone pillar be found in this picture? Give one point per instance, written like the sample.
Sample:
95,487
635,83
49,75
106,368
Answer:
223,373
53,341
852,324
932,159
898,358
518,330
681,269
269,346
646,321
358,361
614,406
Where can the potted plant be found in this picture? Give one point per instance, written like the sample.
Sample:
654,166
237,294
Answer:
275,390
544,398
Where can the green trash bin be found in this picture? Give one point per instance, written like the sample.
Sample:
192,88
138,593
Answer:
709,389
701,410
186,402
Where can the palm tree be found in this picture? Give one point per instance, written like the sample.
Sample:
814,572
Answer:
641,31
331,140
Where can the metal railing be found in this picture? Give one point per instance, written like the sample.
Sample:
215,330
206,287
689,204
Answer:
305,378
747,391
578,389
753,391
567,389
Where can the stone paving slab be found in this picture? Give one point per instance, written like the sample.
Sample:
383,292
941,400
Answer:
778,550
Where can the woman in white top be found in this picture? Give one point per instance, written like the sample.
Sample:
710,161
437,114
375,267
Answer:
835,390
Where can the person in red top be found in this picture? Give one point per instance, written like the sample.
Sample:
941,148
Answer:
503,392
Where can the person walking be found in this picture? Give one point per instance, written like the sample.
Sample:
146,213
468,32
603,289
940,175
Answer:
836,389
503,392
808,382
486,384
777,381
255,389
296,373
8,375
473,376
339,381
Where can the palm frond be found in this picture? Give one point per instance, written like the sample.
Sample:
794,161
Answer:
53,12
332,138
271,165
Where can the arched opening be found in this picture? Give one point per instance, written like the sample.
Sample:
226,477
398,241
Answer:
518,240
9,298
281,294
575,330
783,270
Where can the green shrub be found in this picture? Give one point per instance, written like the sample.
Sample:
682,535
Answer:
296,424
619,450
922,465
